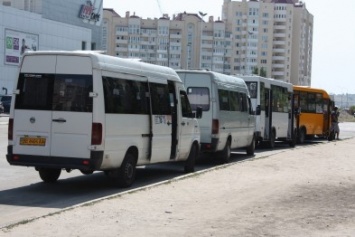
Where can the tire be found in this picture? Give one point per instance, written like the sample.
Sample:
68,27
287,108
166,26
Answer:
87,172
301,136
272,139
226,153
49,175
251,147
190,162
124,176
292,143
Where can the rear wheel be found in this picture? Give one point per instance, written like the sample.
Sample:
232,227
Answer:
292,143
251,147
124,176
49,175
87,172
226,153
190,162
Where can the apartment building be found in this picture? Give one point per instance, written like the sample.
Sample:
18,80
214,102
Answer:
271,35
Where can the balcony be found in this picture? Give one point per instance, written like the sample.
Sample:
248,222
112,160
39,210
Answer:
278,65
121,41
175,36
279,58
120,33
207,37
278,73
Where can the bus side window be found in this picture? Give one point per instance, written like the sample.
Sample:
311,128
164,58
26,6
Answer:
185,105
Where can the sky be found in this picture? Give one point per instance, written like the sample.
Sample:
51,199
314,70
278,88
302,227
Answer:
333,60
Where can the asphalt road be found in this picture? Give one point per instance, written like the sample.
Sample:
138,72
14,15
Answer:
24,196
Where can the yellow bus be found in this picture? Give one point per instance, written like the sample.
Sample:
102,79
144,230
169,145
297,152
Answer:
313,108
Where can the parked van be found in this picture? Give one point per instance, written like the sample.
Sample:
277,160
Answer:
93,112
274,110
228,121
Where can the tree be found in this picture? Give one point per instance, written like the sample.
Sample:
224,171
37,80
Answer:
255,71
262,72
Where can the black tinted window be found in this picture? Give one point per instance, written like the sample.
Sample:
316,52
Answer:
36,91
54,92
71,93
125,96
160,98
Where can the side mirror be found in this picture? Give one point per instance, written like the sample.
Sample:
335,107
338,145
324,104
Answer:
199,112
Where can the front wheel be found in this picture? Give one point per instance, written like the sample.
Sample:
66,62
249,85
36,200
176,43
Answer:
190,162
49,175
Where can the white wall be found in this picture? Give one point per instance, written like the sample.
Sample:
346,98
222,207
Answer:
52,35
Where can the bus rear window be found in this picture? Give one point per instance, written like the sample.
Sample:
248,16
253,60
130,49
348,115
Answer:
199,97
54,92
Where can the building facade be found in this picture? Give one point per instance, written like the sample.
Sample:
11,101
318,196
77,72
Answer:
45,25
270,35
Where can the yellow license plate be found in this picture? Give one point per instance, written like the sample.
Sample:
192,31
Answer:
33,141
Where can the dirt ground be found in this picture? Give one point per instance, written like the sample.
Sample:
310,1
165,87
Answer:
305,191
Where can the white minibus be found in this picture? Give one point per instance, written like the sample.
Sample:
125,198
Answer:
228,121
93,112
274,109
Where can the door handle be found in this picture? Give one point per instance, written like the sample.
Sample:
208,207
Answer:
60,120
168,123
183,123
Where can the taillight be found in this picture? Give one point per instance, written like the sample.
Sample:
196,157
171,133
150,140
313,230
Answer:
215,126
10,129
96,134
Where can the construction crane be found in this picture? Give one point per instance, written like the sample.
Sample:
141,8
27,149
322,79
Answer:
161,12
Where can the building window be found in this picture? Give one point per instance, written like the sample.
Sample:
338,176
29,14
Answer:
93,46
83,45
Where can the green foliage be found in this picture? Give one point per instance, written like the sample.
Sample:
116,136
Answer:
256,71
262,72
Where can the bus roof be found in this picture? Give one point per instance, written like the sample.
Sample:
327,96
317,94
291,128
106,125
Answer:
268,81
311,89
115,64
219,77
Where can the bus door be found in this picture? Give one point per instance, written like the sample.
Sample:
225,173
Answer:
160,120
268,113
291,117
297,109
173,106
54,107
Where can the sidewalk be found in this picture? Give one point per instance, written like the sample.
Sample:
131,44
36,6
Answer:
305,191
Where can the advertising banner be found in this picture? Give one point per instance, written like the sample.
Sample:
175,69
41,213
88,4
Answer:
91,12
17,43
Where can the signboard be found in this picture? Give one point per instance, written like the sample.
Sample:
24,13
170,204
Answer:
17,43
91,11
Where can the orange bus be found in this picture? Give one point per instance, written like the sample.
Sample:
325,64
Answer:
313,108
